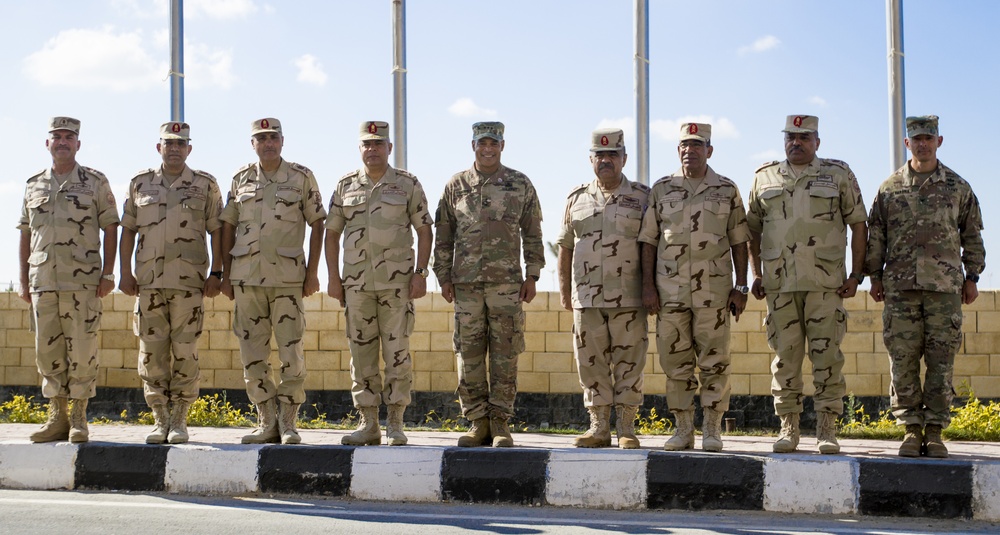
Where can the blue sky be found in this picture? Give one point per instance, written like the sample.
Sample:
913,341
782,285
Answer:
552,71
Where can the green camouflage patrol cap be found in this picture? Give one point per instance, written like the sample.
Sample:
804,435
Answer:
374,130
175,130
801,124
268,124
604,139
492,129
64,123
700,131
925,124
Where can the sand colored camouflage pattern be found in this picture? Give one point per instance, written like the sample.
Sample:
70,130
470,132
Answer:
271,217
604,139
168,322
480,226
489,322
64,123
171,220
258,310
690,340
801,124
610,349
175,130
803,223
376,220
66,221
66,347
699,131
603,233
265,125
922,236
379,318
374,130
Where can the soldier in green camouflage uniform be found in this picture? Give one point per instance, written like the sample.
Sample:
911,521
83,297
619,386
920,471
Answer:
925,226
65,271
600,281
270,204
694,234
171,208
799,211
484,215
375,209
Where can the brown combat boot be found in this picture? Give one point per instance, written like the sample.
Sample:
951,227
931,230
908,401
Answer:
478,434
826,432
368,432
935,446
288,415
500,431
711,430
599,434
788,438
161,424
912,441
683,438
267,425
625,426
57,425
178,423
78,431
394,435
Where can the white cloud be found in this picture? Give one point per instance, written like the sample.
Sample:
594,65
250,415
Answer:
760,45
817,100
669,129
465,107
193,9
205,66
310,70
627,124
767,156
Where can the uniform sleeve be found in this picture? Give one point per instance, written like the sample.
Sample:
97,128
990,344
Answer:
444,237
25,222
566,237
755,214
107,208
213,208
312,202
971,232
417,207
129,212
231,213
852,206
649,231
531,234
335,219
737,229
877,238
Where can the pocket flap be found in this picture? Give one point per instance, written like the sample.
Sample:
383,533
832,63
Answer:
38,258
240,250
823,192
829,253
353,256
770,254
290,252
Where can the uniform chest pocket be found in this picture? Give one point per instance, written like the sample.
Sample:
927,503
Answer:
715,217
627,222
504,204
81,201
823,203
772,200
392,209
147,209
355,204
584,219
247,198
38,210
288,206
671,213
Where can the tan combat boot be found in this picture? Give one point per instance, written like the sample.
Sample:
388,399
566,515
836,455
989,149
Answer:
394,435
500,431
57,425
683,438
711,430
625,426
599,434
368,432
912,441
935,446
78,431
288,415
267,425
178,422
478,434
788,438
826,432
161,424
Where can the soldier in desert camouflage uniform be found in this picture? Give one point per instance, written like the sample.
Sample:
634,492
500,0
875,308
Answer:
600,281
694,234
799,211
65,271
925,225
270,204
484,215
375,209
171,208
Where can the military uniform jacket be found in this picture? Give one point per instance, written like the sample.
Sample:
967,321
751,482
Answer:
803,223
271,217
480,225
376,219
922,235
171,220
65,221
603,234
693,232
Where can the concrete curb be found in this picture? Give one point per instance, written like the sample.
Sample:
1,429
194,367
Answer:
611,478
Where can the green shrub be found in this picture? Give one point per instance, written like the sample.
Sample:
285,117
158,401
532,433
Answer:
21,410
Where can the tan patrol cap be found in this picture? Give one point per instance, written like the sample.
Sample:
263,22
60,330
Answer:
374,130
492,129
801,124
175,130
268,124
925,124
604,139
699,131
64,123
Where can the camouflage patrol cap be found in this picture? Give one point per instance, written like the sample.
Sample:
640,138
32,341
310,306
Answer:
374,130
492,129
926,124
801,124
268,124
64,123
604,139
175,130
700,131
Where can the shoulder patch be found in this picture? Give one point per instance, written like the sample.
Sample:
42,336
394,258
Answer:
404,173
838,163
641,187
300,168
727,181
766,165
203,174
93,171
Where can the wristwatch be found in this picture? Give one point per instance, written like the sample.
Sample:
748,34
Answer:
108,277
742,289
216,274
421,271
860,277
972,277
534,277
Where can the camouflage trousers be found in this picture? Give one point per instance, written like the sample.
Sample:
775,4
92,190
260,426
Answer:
793,319
168,324
258,310
385,318
488,321
928,325
65,326
690,338
610,348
